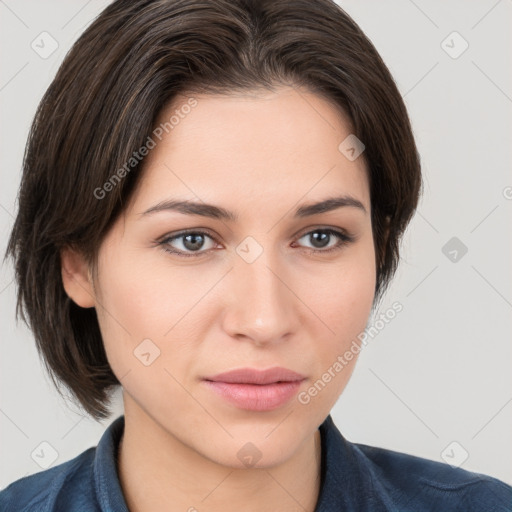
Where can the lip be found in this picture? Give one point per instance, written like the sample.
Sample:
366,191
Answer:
255,376
256,390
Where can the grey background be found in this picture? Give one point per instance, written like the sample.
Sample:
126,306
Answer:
440,371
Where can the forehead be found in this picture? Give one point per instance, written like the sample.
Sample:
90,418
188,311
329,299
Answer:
249,147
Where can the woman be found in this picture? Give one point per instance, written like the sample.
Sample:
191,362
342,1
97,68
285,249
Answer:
212,202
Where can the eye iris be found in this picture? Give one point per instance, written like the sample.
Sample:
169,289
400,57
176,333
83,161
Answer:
320,236
194,244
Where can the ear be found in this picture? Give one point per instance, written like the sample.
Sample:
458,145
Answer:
77,278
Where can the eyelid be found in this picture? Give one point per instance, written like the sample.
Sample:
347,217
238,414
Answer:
179,234
324,227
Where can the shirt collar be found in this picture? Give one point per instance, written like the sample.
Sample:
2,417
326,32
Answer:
345,483
106,480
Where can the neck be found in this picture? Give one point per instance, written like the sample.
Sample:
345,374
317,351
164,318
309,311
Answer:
156,469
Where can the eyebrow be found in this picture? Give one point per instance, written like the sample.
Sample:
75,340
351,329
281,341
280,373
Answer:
217,212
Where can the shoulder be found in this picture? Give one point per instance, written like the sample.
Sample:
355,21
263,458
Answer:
51,489
414,483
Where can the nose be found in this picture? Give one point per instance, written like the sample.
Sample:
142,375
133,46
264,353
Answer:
261,306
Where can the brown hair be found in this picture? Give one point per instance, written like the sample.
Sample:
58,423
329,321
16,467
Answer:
102,106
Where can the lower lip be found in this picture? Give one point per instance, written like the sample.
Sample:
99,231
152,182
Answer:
254,397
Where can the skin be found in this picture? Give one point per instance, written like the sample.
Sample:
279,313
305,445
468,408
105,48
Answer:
259,155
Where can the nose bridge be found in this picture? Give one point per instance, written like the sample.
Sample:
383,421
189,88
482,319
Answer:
262,305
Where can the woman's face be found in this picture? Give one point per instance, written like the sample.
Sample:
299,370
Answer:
245,290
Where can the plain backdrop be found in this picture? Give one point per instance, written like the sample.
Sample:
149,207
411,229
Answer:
436,381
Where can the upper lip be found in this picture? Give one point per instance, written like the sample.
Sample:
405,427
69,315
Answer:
255,376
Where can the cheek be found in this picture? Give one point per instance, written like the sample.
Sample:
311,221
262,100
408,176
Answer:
133,307
130,301
146,300
139,308
344,305
349,292
143,296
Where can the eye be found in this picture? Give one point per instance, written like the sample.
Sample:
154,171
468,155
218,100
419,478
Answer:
320,238
190,243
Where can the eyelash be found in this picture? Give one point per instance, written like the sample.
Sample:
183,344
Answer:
343,239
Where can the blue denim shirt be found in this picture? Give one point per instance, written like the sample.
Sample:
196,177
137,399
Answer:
355,477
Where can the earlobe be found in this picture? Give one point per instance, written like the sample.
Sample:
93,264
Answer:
76,278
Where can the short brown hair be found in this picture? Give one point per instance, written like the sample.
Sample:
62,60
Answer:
103,103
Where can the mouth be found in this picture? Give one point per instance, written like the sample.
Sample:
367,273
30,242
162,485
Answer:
256,390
